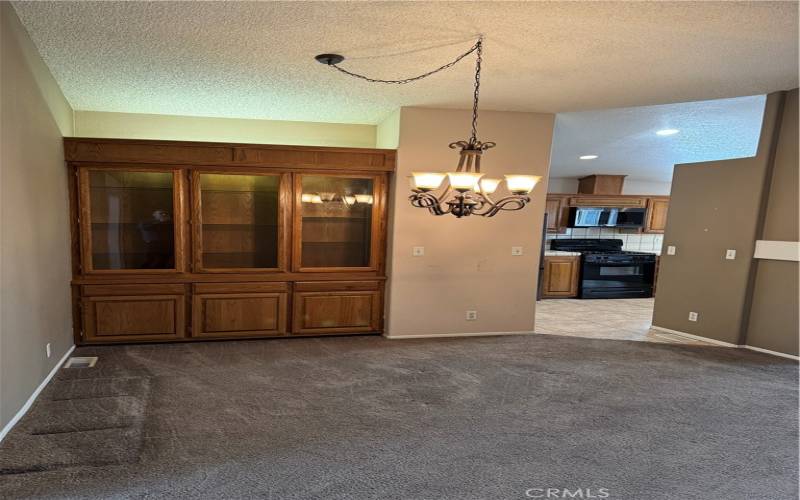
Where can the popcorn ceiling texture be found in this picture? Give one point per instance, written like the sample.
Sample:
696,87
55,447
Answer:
626,143
255,59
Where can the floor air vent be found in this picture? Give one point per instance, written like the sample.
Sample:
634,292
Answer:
81,362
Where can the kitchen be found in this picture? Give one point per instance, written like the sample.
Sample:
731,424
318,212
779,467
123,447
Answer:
601,244
608,203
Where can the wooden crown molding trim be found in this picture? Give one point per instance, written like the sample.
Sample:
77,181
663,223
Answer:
227,154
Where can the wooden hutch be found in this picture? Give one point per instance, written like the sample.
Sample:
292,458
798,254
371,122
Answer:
181,241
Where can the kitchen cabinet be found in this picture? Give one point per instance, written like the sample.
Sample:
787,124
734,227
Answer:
182,241
621,201
556,209
656,219
561,274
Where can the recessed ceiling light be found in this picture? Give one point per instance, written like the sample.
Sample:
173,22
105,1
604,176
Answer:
588,157
668,131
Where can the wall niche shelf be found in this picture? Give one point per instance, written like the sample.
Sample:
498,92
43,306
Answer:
182,241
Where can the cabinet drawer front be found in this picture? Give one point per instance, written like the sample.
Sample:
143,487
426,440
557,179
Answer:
336,312
237,315
607,201
129,290
266,287
335,286
127,318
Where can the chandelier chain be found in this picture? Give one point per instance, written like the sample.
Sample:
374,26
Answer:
476,47
479,48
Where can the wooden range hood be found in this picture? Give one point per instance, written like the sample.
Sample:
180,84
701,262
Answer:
601,184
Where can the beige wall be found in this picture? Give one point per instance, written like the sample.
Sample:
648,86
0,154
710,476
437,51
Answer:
467,263
34,232
631,186
205,129
387,135
720,205
774,314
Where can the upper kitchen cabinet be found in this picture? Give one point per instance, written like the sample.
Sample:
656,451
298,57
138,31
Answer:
657,209
132,220
338,220
555,208
239,221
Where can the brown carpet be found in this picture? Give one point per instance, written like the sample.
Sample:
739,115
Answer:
364,417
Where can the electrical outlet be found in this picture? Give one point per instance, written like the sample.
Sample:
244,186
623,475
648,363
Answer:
47,349
671,250
692,316
418,251
516,250
730,254
472,315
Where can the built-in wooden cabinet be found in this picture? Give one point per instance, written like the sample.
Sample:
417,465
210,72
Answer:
556,208
656,220
561,274
177,241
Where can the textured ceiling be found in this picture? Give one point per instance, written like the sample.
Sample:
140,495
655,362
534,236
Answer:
255,60
626,142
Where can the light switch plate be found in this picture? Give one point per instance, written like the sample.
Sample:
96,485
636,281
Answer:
671,250
418,251
472,315
692,316
730,254
516,250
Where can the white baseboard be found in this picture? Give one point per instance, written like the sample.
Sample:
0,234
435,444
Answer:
27,406
695,337
726,344
774,353
441,335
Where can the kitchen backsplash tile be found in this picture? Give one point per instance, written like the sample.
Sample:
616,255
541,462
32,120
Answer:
635,242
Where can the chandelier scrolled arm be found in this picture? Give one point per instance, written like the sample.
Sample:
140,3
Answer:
465,191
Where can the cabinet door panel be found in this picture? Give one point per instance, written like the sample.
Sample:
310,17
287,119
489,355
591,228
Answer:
246,314
338,222
336,312
129,318
239,221
555,214
561,276
131,220
657,210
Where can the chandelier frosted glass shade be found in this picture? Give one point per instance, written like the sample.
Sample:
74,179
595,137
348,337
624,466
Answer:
522,184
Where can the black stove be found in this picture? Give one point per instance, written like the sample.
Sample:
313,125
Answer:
607,271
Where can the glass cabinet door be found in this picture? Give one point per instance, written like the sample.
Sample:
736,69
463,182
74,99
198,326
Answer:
237,222
336,221
131,220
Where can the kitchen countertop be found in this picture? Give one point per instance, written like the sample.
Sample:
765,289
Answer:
559,253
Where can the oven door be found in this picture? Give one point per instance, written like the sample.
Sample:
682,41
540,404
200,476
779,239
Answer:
617,279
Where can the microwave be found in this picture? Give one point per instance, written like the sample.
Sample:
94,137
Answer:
606,217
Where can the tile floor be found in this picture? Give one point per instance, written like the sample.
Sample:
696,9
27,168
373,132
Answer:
619,319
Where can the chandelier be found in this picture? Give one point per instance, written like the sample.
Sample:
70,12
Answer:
465,191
